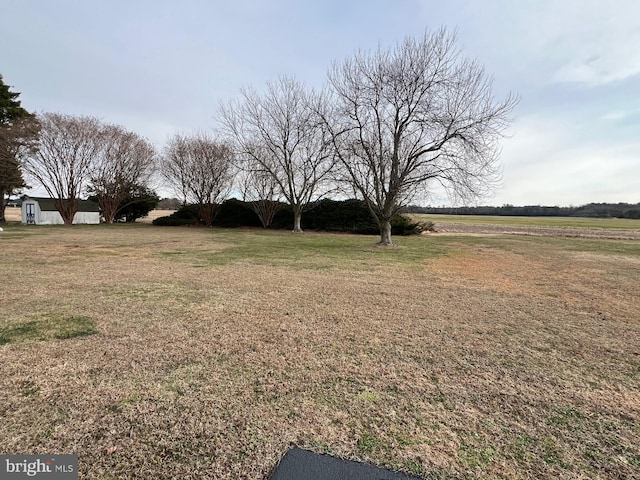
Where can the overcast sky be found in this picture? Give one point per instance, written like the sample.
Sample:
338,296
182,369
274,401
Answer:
158,67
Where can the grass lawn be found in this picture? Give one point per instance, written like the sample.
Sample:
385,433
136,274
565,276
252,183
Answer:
575,222
167,353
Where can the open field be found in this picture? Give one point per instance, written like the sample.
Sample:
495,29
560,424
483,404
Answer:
203,353
596,228
12,214
558,222
153,214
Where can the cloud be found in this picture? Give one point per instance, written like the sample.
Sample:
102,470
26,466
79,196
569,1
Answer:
614,116
615,59
554,161
594,43
582,42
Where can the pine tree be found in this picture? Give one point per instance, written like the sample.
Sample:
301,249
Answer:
18,131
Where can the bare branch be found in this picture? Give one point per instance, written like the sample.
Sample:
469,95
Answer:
260,189
279,134
125,163
67,154
405,118
200,169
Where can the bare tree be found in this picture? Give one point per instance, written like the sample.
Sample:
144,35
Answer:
280,134
260,189
201,171
64,161
411,116
125,162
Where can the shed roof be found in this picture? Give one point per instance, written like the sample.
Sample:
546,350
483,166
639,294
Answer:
49,205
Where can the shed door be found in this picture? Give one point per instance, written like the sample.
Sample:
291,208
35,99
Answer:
31,214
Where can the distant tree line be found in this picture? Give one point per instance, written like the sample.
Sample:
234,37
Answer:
603,210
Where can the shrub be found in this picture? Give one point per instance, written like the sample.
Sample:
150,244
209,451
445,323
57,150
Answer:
187,215
236,213
401,225
340,216
351,216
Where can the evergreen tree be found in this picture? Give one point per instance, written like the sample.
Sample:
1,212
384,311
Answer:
140,201
18,131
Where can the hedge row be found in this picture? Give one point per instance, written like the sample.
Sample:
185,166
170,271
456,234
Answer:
350,216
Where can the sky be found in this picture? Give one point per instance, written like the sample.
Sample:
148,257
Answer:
161,67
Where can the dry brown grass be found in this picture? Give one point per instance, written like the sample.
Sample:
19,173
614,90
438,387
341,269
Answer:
451,357
153,214
13,214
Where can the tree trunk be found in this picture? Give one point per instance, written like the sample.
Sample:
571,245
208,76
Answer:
208,212
385,233
297,221
266,210
67,218
108,216
2,206
67,209
108,212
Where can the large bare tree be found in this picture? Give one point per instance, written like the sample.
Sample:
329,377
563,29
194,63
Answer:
200,169
125,163
407,118
280,134
65,159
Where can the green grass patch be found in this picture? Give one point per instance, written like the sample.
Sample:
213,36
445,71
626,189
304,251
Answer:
567,417
473,457
368,443
414,468
551,452
307,251
28,392
15,230
47,327
367,397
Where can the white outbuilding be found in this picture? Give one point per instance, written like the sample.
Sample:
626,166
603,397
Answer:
42,211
